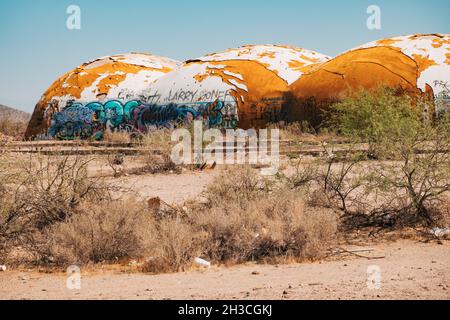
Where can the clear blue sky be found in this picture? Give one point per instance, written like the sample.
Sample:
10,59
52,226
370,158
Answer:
36,47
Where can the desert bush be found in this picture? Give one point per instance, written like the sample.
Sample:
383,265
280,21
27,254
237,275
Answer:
41,192
244,220
332,180
157,140
421,174
238,185
410,190
116,163
342,179
304,176
175,244
10,174
273,227
98,233
410,187
67,218
250,218
374,117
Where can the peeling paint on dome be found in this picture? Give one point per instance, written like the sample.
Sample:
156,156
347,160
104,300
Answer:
251,81
283,60
428,50
417,64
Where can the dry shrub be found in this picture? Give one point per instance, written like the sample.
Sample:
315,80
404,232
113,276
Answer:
237,185
318,198
157,140
304,176
157,163
41,192
116,163
304,132
174,246
156,147
246,219
272,227
104,232
441,211
250,218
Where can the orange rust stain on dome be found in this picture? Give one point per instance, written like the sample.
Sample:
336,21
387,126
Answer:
387,42
302,66
75,82
423,62
367,69
439,42
448,58
263,88
203,76
296,65
121,72
312,60
269,54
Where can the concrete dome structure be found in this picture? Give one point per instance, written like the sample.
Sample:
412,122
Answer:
243,87
116,79
418,64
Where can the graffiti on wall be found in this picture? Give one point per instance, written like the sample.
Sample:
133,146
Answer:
91,120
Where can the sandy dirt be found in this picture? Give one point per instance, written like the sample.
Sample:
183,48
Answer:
410,270
173,189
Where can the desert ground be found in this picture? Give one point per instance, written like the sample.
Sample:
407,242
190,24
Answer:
359,264
409,270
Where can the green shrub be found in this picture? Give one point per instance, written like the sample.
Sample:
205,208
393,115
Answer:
375,117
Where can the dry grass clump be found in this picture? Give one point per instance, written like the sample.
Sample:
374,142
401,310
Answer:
293,131
97,233
303,132
274,227
236,185
174,246
159,140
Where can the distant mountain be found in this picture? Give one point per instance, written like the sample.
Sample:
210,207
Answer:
14,114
